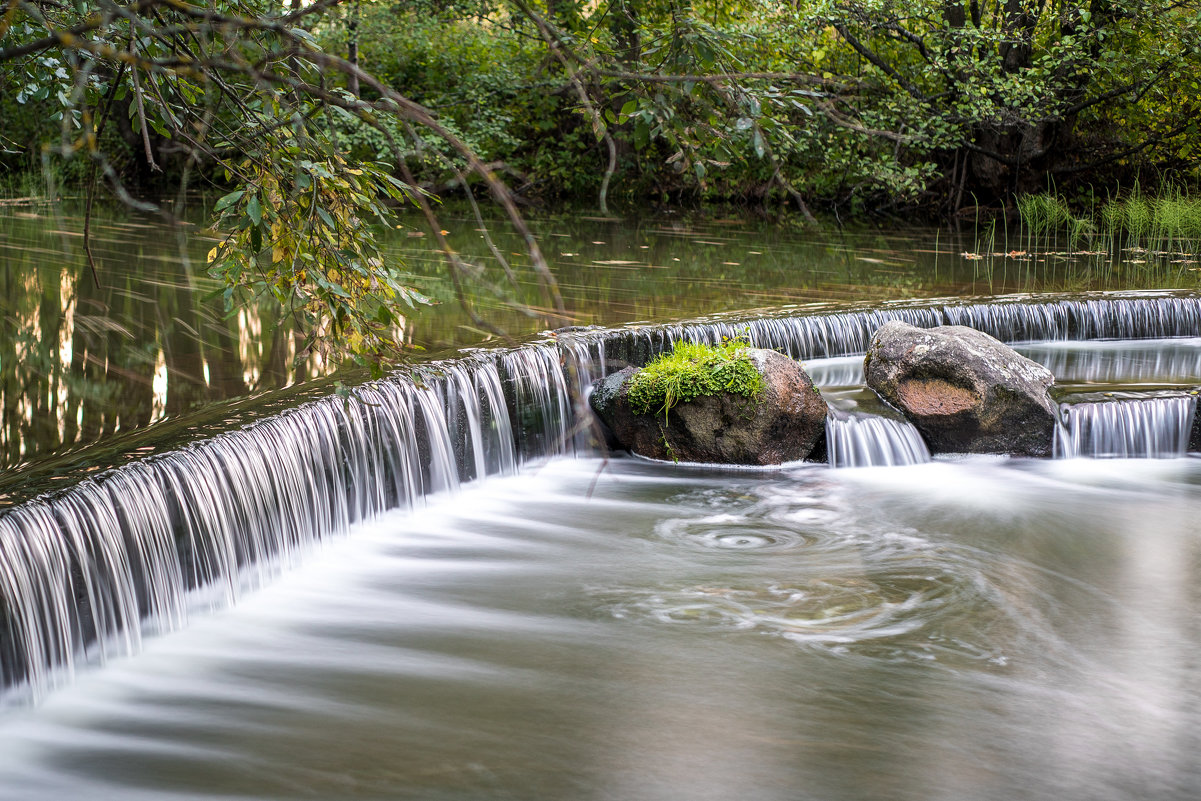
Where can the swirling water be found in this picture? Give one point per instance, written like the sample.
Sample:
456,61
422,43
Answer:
981,629
606,628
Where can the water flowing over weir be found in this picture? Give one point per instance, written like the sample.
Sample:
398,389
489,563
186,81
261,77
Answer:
869,440
1152,428
1141,315
86,571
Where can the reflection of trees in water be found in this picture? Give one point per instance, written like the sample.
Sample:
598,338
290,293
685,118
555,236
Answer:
81,361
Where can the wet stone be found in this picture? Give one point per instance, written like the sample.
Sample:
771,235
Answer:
965,391
783,425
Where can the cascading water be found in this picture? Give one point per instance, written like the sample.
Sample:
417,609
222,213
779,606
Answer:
1017,319
84,572
870,440
1151,428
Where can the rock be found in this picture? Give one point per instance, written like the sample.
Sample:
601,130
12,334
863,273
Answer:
964,390
782,425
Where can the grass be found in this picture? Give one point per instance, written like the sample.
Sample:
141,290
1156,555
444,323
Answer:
32,185
691,370
1169,223
1047,214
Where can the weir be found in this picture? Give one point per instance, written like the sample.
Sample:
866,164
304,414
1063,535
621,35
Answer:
87,571
871,440
1148,428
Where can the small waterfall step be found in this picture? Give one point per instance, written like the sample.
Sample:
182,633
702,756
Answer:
806,334
836,371
1129,428
856,439
85,571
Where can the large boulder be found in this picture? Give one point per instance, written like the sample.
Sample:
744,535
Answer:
781,425
964,390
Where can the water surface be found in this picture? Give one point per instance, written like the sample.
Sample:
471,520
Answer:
979,628
93,358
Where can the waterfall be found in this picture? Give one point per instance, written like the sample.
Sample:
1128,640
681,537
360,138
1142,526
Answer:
839,371
871,440
1155,428
86,571
1015,319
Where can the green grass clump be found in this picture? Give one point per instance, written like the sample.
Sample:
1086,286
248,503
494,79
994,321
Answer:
691,370
1169,222
1047,213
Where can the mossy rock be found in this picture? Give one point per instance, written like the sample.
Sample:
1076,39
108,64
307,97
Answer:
778,416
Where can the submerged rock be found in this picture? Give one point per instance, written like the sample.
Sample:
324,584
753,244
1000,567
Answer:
964,390
781,425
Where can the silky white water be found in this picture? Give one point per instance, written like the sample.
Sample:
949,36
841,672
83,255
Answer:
985,628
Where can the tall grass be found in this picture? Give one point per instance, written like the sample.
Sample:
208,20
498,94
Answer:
1131,238
1168,224
32,184
1045,216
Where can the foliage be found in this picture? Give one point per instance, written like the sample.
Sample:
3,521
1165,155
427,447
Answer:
309,242
241,92
857,103
691,370
1007,95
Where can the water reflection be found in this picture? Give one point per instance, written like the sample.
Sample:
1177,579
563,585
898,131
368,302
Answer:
82,359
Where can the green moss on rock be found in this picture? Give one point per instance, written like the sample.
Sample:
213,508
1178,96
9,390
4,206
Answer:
691,370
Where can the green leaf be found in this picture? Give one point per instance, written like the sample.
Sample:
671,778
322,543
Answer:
228,200
254,210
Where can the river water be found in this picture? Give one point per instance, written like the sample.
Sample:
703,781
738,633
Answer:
437,588
980,628
87,362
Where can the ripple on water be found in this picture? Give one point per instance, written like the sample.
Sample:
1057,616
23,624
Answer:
751,520
897,616
731,532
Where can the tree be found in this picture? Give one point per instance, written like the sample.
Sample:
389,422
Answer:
1005,97
932,101
242,90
